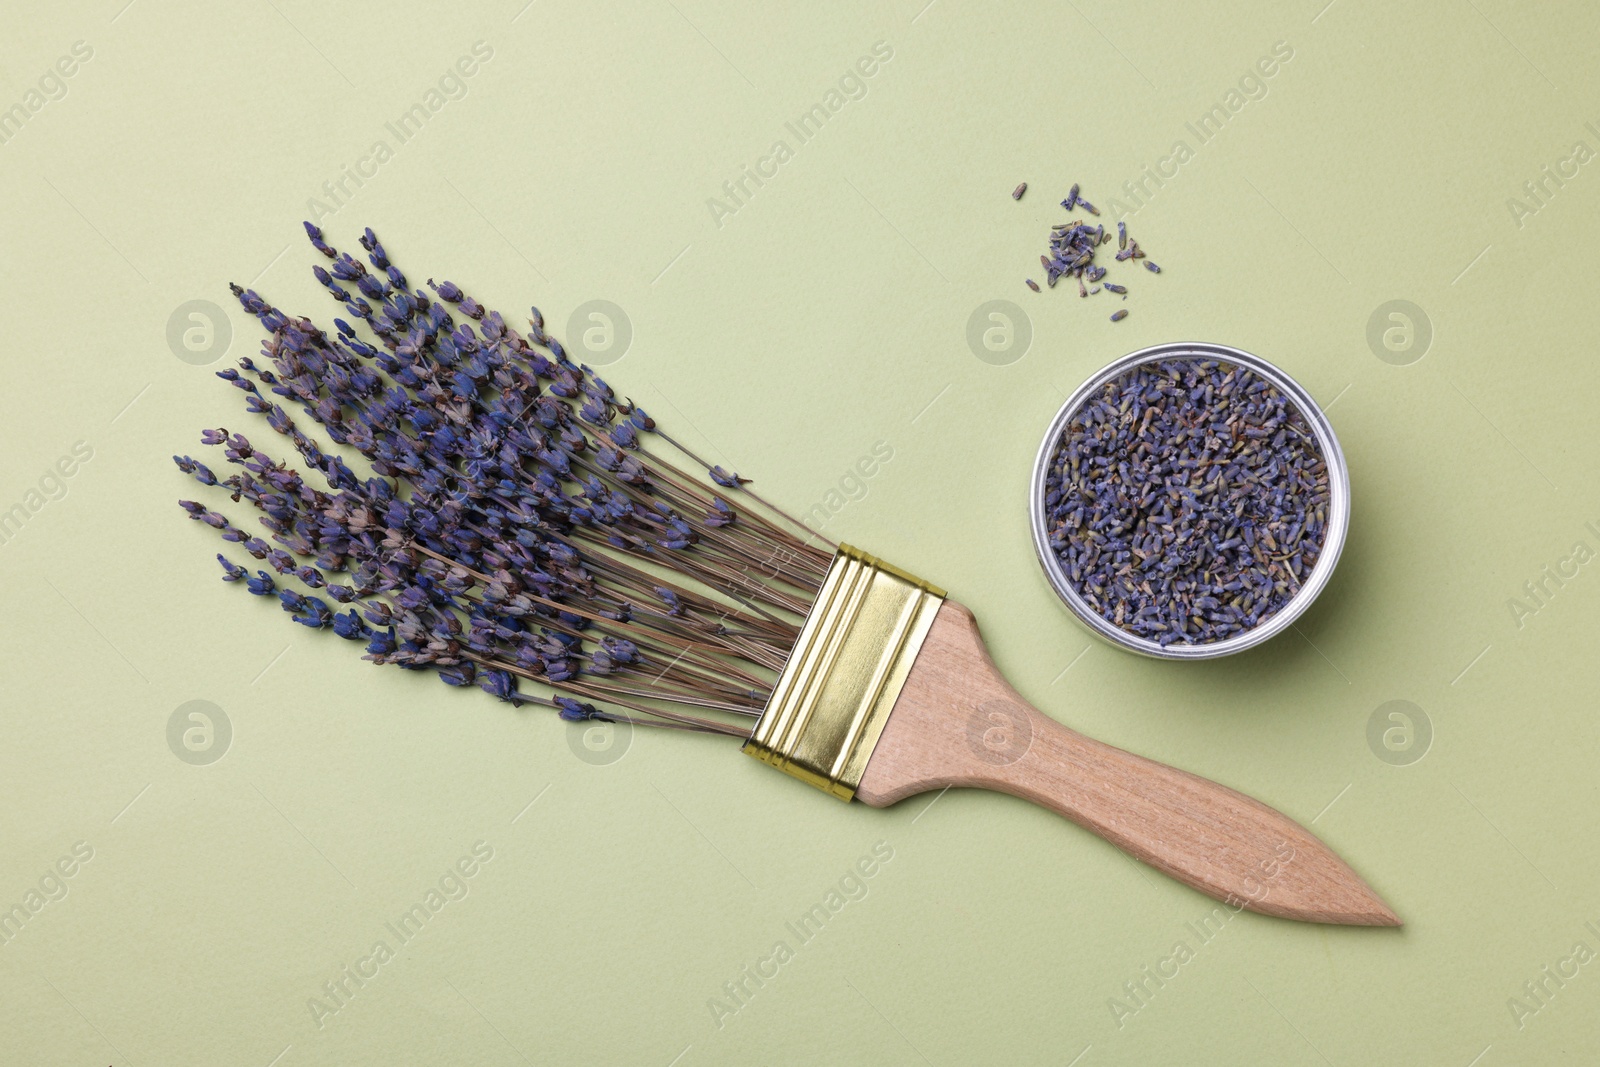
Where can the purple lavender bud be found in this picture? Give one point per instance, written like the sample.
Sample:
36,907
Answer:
350,627
379,257
460,674
449,292
497,683
573,711
536,318
232,571
316,240
1151,267
347,268
248,299
262,584
724,479
382,643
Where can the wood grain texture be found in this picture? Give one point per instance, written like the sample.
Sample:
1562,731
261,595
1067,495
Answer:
957,722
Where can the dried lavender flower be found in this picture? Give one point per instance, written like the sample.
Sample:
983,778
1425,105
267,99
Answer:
1187,500
514,523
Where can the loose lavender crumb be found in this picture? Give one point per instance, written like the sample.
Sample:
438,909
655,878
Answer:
1151,267
1187,501
1118,316
1016,194
1073,246
1035,285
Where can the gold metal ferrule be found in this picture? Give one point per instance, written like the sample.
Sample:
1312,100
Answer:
854,653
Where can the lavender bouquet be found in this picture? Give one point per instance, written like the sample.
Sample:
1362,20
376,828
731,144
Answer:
516,525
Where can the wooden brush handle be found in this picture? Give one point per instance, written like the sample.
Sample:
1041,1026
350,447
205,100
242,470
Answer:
957,722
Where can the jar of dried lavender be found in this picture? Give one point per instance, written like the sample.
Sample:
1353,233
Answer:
1189,501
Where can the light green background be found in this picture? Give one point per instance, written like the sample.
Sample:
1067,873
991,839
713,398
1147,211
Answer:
827,314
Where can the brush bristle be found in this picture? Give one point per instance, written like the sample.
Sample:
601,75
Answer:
520,523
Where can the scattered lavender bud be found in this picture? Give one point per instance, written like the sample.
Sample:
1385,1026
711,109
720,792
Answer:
1118,316
1072,248
1033,285
1151,267
1016,194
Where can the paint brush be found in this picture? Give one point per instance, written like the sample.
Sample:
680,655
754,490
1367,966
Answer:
519,527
